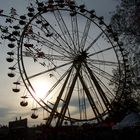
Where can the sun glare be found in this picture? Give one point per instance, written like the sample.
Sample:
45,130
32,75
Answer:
41,88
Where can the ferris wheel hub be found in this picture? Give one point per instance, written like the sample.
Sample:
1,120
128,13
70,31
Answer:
81,57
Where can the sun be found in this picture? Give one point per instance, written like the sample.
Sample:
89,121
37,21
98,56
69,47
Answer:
41,87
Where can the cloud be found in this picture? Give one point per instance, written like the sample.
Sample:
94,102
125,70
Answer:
4,111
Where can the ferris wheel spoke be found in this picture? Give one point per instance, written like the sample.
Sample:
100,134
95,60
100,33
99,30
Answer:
85,34
75,32
48,43
49,57
67,98
104,86
60,94
90,99
106,77
103,62
41,40
99,89
81,101
103,73
50,36
64,29
99,102
51,46
93,90
94,41
101,51
52,69
10,17
58,81
57,57
55,35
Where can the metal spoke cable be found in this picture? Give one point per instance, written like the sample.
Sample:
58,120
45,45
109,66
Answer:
64,29
102,72
94,41
61,41
75,32
59,45
85,34
93,89
103,62
58,82
101,51
101,83
49,56
54,68
48,43
90,99
99,88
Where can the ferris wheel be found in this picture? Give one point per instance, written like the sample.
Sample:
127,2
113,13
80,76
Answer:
77,56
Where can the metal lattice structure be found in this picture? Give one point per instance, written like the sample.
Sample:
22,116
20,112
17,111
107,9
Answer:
75,52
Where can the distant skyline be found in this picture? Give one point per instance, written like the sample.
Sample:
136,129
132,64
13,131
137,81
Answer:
9,101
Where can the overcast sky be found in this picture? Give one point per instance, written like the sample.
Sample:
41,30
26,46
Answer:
9,101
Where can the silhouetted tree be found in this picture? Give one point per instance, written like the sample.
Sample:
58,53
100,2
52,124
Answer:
126,23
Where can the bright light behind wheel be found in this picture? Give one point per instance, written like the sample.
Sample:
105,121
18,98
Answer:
41,88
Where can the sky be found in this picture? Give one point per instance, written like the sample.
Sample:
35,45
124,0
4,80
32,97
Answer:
9,101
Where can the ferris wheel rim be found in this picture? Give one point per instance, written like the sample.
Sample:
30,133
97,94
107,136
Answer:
25,76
